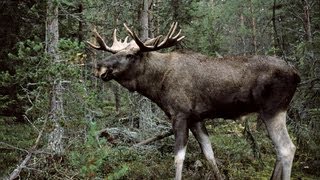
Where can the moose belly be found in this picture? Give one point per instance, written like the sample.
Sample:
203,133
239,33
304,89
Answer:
230,106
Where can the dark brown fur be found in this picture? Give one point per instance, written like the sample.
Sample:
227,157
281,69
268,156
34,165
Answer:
205,87
191,87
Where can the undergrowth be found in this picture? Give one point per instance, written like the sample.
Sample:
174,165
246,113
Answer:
92,158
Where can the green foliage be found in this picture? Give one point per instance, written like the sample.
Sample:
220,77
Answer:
202,29
89,157
14,136
30,75
119,173
94,160
211,27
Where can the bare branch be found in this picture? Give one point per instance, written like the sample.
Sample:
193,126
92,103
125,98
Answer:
15,173
34,127
14,147
156,138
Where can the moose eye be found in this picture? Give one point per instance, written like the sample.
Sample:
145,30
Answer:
130,56
98,67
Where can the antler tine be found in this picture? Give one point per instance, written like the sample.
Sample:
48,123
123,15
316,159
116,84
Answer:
156,43
169,40
167,36
135,38
177,35
179,39
116,46
115,36
125,39
93,46
173,29
101,44
128,30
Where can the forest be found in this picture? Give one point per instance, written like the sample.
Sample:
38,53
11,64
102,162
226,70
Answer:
58,121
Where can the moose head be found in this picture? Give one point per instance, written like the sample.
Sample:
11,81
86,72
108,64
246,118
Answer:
190,87
127,54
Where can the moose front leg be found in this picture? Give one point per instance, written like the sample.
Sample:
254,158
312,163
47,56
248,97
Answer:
180,129
201,134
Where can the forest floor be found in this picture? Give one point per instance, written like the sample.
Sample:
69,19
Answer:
236,156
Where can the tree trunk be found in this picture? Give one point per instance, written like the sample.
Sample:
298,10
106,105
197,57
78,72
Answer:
151,20
276,37
56,105
116,90
52,30
157,23
144,20
144,105
254,28
306,20
80,28
176,7
243,38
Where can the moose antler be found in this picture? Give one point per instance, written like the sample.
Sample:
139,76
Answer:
116,46
150,45
155,44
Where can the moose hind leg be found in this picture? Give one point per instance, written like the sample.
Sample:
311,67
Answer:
200,133
285,149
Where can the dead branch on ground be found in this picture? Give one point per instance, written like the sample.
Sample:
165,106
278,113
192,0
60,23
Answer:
156,138
15,173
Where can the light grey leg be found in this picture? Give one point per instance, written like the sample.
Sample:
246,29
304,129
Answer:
180,129
200,132
285,149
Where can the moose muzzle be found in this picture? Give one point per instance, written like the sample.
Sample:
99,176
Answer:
104,73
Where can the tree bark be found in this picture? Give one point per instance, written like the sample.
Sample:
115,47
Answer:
254,28
276,37
150,18
176,7
116,90
307,21
243,36
52,29
56,104
80,28
144,20
157,23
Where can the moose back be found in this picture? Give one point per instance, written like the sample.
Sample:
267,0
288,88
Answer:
190,87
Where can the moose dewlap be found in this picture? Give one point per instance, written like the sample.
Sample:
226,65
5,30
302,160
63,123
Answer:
190,87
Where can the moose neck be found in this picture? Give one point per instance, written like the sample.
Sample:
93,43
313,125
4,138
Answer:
146,76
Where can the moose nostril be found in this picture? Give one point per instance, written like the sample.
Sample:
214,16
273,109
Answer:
104,75
109,69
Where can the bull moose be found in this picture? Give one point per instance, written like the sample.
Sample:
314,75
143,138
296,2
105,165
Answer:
190,87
